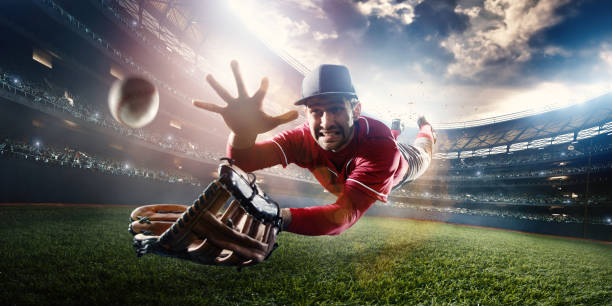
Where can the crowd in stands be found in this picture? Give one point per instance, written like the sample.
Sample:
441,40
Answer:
514,173
504,213
484,212
68,157
528,198
551,154
37,95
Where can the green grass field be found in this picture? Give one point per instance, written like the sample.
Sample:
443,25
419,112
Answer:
83,255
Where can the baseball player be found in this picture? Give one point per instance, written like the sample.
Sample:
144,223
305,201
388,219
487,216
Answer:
354,157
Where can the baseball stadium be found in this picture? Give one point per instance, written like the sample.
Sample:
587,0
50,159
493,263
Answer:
512,206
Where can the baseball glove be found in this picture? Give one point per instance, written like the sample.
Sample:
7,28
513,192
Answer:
232,223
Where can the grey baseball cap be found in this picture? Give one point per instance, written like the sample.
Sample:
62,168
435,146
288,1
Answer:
327,80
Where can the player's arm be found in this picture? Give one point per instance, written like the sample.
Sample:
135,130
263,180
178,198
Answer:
260,155
244,114
332,219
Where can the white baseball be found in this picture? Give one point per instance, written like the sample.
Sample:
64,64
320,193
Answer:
133,101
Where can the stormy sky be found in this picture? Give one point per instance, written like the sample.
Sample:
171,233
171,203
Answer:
452,60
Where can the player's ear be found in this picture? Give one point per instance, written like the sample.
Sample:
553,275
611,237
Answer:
356,109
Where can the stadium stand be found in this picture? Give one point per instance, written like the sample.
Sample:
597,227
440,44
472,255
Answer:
50,156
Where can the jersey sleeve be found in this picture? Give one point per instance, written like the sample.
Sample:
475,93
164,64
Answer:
259,156
332,219
375,167
283,149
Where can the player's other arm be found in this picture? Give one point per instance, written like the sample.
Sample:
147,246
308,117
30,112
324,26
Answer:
332,219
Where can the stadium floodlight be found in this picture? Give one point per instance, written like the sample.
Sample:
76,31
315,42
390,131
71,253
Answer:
563,138
539,143
518,146
466,154
482,152
499,149
447,155
588,133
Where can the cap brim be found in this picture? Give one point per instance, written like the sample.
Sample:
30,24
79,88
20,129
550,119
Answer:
323,95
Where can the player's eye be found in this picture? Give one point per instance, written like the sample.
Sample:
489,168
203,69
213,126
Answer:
316,112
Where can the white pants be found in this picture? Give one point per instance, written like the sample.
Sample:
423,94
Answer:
418,155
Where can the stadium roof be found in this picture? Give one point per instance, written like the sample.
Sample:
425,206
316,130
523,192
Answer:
568,124
183,25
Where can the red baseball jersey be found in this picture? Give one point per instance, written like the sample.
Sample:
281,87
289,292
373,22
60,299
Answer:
359,174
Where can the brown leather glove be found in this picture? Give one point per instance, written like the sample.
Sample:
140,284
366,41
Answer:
211,231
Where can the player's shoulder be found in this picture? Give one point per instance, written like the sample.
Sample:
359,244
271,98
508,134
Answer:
299,132
375,138
373,129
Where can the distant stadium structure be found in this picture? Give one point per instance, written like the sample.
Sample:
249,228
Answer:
553,166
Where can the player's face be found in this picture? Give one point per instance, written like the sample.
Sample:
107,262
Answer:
331,121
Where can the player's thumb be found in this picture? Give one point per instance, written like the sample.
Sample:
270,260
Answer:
208,106
286,117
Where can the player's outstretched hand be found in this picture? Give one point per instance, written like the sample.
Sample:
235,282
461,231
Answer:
244,114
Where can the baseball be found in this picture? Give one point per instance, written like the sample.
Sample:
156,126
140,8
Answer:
133,101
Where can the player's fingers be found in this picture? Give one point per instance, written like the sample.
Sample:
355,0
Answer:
219,89
209,106
261,92
286,117
239,82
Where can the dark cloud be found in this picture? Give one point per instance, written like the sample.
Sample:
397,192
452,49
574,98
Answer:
438,18
585,24
389,42
345,15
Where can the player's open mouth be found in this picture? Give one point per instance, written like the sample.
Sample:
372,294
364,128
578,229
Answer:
330,135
